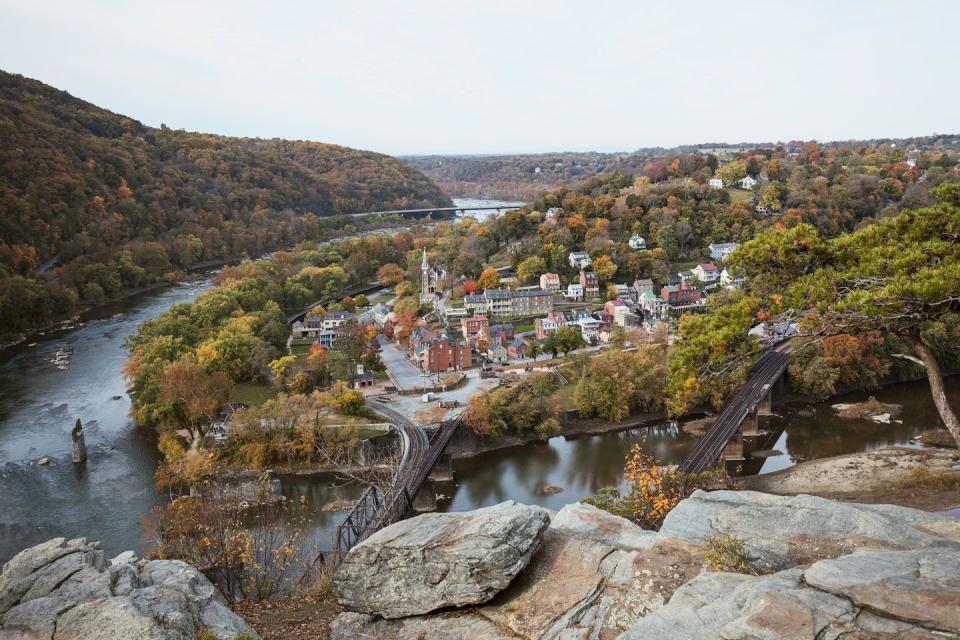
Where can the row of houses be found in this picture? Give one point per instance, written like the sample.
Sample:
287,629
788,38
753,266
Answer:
504,303
323,328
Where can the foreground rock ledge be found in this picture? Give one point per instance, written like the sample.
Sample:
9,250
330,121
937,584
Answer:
67,590
837,571
440,560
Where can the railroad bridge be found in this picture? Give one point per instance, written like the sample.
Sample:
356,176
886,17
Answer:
740,418
411,489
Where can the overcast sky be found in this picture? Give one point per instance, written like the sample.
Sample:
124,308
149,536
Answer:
488,76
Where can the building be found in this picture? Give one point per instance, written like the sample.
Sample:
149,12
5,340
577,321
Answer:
326,338
502,333
626,293
550,282
727,279
642,285
553,321
552,214
615,307
716,183
637,242
336,319
439,353
574,292
496,352
748,182
681,298
706,272
686,277
474,326
517,348
504,303
431,278
628,320
722,250
579,259
590,284
651,304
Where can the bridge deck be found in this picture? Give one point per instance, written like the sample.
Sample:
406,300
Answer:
708,448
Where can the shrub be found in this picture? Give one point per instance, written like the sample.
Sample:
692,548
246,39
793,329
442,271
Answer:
727,554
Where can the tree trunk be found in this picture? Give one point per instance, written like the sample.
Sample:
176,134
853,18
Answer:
935,377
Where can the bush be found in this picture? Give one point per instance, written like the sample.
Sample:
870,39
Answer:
727,554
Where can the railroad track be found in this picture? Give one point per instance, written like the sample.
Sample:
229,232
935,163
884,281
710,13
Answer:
708,448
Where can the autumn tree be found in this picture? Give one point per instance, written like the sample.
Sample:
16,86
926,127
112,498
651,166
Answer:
605,268
391,274
489,279
192,398
531,268
732,171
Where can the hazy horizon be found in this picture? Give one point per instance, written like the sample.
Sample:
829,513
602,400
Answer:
429,78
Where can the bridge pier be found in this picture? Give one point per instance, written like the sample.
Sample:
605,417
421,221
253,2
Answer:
426,499
442,471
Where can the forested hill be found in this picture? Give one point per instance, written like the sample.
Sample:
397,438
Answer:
93,203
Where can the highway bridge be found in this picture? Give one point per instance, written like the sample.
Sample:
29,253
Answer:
422,213
743,405
376,508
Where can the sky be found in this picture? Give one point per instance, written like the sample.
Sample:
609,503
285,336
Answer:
417,77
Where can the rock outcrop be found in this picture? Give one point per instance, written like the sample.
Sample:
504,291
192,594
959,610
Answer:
439,560
67,590
779,532
828,570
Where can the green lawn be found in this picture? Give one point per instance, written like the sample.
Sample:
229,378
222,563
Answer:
252,395
300,347
740,195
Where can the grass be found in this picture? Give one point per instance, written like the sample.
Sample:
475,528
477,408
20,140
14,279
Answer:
300,347
252,395
499,260
740,195
564,396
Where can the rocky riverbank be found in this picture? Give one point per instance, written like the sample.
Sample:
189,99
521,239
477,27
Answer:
814,568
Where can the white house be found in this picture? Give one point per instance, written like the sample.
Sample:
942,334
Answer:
552,214
727,279
579,259
651,304
575,292
706,272
686,277
722,250
748,182
637,242
716,183
626,292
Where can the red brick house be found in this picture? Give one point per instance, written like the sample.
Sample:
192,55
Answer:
439,354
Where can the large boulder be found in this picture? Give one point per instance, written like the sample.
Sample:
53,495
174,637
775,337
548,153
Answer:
440,560
66,590
779,532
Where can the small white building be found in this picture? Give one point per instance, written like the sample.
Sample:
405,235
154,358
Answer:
574,292
748,182
637,242
552,214
722,250
642,285
716,183
706,272
579,259
727,279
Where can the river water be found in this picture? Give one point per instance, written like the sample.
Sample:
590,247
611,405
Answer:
105,499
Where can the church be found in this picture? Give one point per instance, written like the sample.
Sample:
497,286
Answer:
430,278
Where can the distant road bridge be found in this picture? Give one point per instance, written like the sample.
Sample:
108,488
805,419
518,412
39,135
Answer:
376,509
422,213
739,417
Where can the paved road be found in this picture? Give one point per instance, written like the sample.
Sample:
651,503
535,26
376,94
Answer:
404,372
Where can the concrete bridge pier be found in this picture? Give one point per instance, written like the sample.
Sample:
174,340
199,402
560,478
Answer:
442,471
426,499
